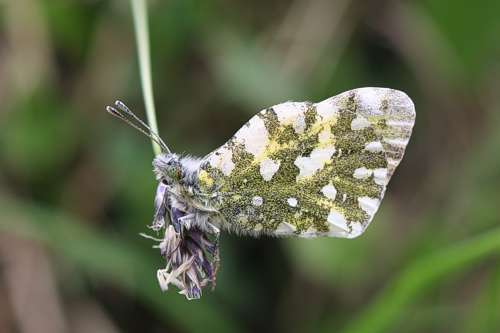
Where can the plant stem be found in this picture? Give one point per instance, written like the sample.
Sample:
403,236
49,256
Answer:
140,14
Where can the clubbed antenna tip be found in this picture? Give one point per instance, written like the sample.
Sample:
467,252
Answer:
123,113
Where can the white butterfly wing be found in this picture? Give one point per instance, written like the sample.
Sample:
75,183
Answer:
307,169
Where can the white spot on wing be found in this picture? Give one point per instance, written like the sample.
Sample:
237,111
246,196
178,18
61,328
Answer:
370,99
329,191
394,163
380,176
292,202
327,109
325,135
356,229
253,136
362,173
268,168
359,123
310,165
337,220
292,113
223,160
369,205
257,201
299,125
374,147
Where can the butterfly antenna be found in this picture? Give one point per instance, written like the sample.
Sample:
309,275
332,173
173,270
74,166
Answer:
121,106
122,111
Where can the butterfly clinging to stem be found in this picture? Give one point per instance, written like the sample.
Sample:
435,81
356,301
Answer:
294,169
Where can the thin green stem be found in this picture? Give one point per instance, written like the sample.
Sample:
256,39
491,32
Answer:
140,14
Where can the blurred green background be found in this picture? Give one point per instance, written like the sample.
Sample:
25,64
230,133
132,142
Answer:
76,186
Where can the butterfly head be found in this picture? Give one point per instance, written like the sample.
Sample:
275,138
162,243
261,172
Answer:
168,168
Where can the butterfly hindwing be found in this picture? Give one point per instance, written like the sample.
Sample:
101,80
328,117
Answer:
306,169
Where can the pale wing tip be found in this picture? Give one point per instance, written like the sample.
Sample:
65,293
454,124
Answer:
402,101
397,99
373,100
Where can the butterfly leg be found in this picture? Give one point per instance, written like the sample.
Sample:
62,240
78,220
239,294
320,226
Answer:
181,220
161,209
187,221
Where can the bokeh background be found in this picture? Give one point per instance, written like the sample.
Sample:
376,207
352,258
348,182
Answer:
77,187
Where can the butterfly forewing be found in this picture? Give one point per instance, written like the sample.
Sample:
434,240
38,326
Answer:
309,170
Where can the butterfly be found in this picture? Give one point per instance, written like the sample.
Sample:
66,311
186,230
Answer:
294,169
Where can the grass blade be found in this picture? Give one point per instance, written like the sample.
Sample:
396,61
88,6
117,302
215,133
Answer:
140,14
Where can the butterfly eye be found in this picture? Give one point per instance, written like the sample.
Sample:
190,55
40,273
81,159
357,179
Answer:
173,170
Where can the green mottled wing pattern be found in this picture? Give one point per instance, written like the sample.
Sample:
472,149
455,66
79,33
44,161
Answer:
307,169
